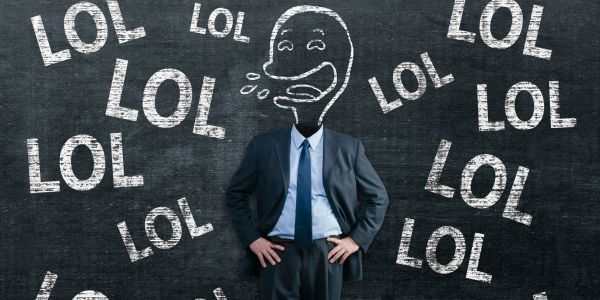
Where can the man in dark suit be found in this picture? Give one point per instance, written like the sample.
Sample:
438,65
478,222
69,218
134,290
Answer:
311,230
346,176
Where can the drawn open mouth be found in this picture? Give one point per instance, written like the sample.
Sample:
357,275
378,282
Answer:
310,86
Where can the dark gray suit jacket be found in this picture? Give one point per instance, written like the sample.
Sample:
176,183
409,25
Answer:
347,176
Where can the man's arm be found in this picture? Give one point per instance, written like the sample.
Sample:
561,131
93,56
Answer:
237,196
375,200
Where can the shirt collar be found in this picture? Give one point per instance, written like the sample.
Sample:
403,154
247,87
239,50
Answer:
314,140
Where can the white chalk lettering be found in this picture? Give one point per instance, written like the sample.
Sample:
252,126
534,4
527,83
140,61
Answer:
123,34
101,27
459,250
48,284
485,23
500,175
118,165
212,23
36,185
157,241
499,181
472,272
431,252
201,127
66,167
417,71
403,258
183,106
134,253
151,234
433,184
510,108
49,57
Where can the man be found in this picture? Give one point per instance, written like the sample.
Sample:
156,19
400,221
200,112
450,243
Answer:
306,186
311,231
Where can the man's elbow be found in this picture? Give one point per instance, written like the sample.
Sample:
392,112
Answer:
383,200
386,201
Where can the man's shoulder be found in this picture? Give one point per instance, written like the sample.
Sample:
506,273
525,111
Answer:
342,139
340,136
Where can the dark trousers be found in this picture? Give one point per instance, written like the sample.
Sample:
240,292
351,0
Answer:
302,274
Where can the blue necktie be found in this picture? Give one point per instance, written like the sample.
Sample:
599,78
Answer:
303,226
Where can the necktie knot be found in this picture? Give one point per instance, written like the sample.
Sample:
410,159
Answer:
305,144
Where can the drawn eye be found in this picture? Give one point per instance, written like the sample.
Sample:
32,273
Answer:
316,44
285,45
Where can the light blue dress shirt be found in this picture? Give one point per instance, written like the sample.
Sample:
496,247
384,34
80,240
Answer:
324,222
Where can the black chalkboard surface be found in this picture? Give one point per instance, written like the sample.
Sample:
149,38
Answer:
123,121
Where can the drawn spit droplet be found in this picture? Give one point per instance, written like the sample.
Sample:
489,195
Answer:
262,94
252,76
248,89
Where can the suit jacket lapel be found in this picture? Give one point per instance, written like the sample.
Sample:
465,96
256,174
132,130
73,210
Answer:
283,155
330,156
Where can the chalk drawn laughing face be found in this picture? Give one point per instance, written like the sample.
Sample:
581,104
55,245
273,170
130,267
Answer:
309,63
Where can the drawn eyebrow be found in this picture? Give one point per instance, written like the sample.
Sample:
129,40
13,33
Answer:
319,31
284,31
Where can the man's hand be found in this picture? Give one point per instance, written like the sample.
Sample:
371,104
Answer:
344,247
263,248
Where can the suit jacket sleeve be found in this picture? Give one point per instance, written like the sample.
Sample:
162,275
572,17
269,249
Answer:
375,200
241,188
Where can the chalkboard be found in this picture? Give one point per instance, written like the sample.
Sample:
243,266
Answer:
480,117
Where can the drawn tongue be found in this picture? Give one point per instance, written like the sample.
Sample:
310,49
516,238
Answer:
304,91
